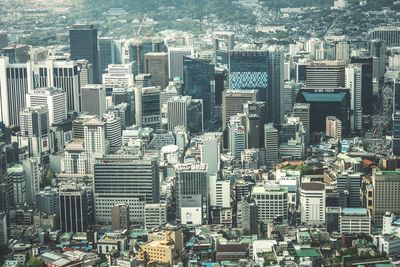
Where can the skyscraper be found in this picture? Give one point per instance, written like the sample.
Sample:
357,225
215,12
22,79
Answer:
74,208
84,45
119,75
17,187
192,180
274,98
93,99
55,100
367,86
147,107
232,101
326,74
35,130
15,82
354,83
125,179
95,139
106,52
271,145
377,48
197,77
237,135
248,70
157,65
175,60
211,151
184,111
389,34
312,199
302,111
396,119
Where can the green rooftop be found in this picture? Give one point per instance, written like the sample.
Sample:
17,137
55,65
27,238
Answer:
308,252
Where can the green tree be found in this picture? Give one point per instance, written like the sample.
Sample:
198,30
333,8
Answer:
49,177
35,262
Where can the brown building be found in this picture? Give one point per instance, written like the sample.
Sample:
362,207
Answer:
120,217
156,64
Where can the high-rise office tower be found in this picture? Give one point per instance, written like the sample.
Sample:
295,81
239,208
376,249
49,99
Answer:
147,107
302,111
272,201
367,86
210,151
62,74
223,43
248,70
271,144
77,125
377,48
113,131
197,77
32,178
389,34
3,230
125,179
15,82
157,65
256,112
119,75
312,203
16,53
144,80
289,94
232,101
55,100
137,48
187,112
95,139
93,99
384,182
74,208
175,60
192,180
120,217
324,103
16,183
3,40
354,83
237,135
247,213
86,74
34,130
75,160
274,98
349,188
326,74
84,45
219,85
342,50
106,53
396,119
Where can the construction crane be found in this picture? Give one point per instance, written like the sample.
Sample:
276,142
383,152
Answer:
141,24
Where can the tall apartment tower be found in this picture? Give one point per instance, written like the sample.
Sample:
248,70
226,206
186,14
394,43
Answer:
232,103
84,45
302,111
271,145
354,83
333,127
55,100
120,219
125,179
74,209
94,99
15,82
157,65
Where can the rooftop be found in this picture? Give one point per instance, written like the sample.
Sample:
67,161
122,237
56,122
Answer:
354,211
